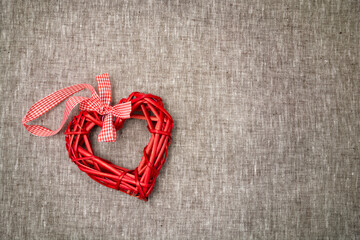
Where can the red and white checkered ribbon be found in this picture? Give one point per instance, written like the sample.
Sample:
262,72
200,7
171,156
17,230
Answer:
100,104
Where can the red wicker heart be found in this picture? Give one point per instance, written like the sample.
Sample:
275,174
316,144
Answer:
140,181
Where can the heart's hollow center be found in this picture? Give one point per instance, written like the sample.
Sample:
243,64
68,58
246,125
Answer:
128,148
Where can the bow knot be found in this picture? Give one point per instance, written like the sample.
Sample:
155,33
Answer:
99,103
106,110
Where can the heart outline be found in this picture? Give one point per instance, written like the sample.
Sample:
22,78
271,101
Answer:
140,181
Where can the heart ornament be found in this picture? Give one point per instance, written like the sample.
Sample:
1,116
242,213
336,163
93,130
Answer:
96,111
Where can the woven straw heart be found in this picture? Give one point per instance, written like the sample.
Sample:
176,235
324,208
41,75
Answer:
140,181
97,111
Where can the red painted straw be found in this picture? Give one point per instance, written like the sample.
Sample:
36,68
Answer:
140,181
96,111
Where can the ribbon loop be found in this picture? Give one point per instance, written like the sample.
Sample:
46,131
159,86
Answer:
103,82
100,104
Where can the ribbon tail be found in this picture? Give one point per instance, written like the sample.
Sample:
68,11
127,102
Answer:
108,131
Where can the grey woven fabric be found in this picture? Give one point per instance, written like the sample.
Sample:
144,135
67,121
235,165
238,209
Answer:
264,95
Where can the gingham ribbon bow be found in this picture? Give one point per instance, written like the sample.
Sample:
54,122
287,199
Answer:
100,104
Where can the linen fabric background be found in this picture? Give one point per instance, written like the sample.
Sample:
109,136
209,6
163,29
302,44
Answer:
265,99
